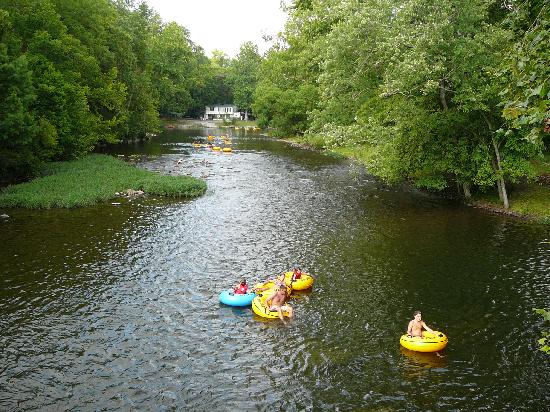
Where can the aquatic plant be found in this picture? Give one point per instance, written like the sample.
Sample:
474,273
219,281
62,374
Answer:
544,342
93,179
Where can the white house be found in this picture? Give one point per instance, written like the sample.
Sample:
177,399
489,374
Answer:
222,111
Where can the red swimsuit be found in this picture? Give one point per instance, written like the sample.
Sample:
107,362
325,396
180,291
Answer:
241,290
296,275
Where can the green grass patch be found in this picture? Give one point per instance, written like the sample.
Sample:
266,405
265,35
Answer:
93,179
534,201
313,142
362,153
542,166
245,123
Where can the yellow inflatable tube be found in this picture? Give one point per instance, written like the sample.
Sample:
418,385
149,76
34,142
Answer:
268,288
305,282
261,309
429,342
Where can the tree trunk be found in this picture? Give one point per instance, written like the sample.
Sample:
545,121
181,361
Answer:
500,181
442,94
467,193
246,115
501,184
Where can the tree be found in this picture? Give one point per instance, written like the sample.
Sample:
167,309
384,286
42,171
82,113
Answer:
415,81
172,60
525,78
243,76
293,65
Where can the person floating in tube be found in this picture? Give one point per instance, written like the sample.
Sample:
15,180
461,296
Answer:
241,288
416,325
276,302
296,273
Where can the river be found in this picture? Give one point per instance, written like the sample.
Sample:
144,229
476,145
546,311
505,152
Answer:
116,307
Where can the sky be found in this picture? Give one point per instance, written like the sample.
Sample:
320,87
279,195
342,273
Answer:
224,24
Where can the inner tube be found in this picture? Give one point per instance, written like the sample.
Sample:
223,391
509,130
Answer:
231,298
429,342
305,282
226,149
270,284
261,309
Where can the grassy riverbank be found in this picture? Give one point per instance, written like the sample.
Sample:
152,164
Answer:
93,179
531,200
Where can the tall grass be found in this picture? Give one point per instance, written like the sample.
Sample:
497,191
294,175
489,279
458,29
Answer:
93,179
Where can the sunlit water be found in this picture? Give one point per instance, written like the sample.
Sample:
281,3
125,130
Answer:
109,307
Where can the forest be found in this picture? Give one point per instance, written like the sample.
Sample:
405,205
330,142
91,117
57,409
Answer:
445,95
75,74
442,94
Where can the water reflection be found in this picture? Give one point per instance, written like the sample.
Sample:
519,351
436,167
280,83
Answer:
424,359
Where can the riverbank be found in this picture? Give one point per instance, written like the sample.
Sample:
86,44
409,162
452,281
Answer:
530,200
93,179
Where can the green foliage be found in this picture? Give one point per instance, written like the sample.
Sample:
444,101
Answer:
419,83
288,76
172,60
285,110
217,85
243,75
544,342
93,179
78,73
526,74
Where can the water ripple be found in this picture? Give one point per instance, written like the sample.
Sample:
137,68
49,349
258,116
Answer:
117,308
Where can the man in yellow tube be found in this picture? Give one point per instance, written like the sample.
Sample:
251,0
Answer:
416,325
276,301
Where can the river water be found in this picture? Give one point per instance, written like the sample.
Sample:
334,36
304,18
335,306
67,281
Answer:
116,307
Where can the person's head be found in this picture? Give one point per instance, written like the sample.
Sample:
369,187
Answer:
417,315
281,276
282,288
243,281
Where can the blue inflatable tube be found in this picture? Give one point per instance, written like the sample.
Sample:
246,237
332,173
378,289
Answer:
234,299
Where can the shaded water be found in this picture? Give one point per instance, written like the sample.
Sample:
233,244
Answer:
116,307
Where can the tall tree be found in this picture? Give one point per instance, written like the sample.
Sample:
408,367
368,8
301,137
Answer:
243,76
525,76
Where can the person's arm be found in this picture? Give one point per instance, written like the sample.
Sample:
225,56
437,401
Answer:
426,327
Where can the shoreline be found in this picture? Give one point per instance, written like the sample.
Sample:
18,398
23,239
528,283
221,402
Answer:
475,203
